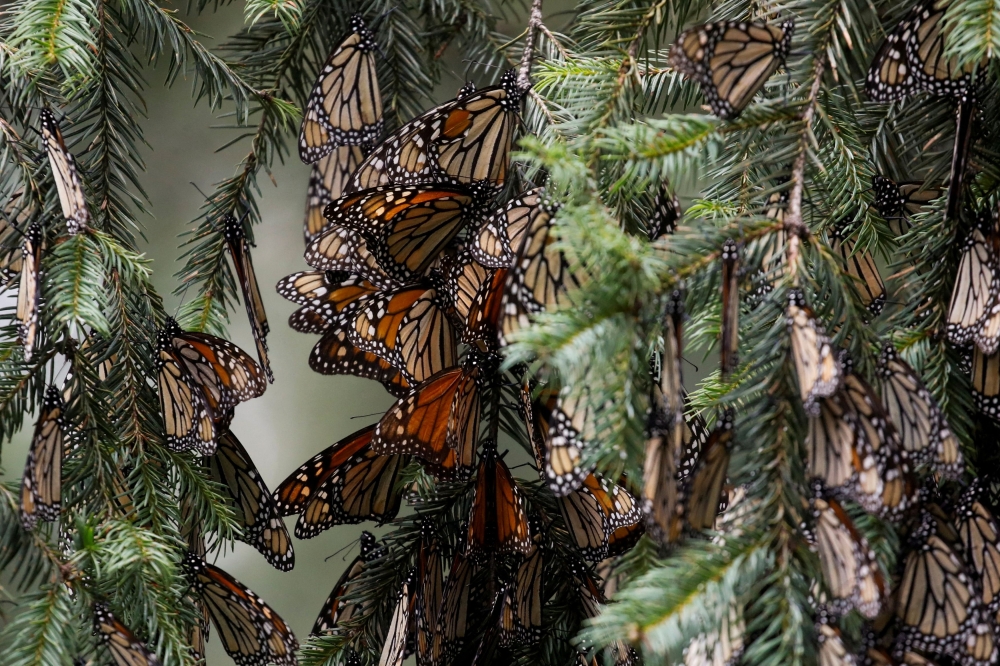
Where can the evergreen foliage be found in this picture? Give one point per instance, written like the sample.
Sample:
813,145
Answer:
609,125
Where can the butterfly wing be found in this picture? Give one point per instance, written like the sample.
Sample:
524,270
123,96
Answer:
498,522
255,510
125,648
327,180
250,631
394,646
731,60
239,248
41,485
189,420
848,563
976,285
337,609
330,294
335,355
496,241
65,174
817,367
345,106
29,291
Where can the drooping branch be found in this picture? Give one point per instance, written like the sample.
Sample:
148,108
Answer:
527,58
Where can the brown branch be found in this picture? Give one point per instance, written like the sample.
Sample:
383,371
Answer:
793,214
534,21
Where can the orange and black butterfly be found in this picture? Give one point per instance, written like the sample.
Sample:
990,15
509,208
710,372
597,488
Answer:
41,485
912,59
453,616
429,593
704,492
239,248
924,432
68,182
851,573
463,141
731,60
521,616
816,364
541,276
404,227
485,310
438,421
730,333
254,508
250,631
201,379
337,608
977,285
861,268
498,522
408,327
125,648
839,454
495,243
29,290
346,483
330,294
937,601
345,106
327,180
898,202
14,213
335,355
666,212
397,635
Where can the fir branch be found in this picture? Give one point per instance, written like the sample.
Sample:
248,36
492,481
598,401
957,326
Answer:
45,631
289,12
50,33
75,296
534,24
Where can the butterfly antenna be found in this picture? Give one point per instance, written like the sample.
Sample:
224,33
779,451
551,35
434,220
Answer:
181,304
690,363
347,547
195,186
365,416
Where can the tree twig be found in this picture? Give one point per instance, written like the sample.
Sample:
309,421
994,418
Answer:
793,213
534,21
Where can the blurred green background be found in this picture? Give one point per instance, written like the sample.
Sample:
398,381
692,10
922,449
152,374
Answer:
302,412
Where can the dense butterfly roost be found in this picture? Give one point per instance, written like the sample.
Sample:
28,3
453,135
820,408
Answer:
825,496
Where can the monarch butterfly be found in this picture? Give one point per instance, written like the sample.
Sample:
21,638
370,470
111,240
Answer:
937,602
239,248
256,512
452,619
598,512
840,455
16,210
540,278
898,484
201,378
592,599
498,238
521,616
438,421
772,264
327,179
251,632
410,329
719,647
330,294
64,173
464,277
666,212
41,485
848,564
861,268
342,250
912,59
463,141
485,650
335,355
125,648
832,651
730,333
977,284
986,383
336,609
897,203
29,290
705,491
980,539
429,594
406,227
571,426
345,483
923,428
818,370
394,647
497,523
731,60
345,106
